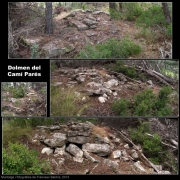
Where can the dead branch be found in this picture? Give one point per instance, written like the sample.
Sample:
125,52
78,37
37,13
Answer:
163,77
174,142
162,142
142,155
159,78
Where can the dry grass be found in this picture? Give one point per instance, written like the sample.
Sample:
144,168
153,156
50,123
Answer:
67,102
102,131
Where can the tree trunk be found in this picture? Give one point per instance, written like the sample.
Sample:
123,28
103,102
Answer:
112,5
120,6
166,12
49,19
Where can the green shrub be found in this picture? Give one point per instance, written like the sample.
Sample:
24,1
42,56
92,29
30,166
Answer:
169,30
151,17
163,98
141,109
53,67
111,49
114,14
120,67
132,10
34,51
146,103
138,134
17,159
121,106
18,93
151,145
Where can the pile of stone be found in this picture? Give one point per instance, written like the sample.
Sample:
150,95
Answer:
78,141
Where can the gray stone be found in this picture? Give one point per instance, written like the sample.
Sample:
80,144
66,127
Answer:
112,164
80,79
56,84
74,150
164,172
61,161
124,153
47,151
150,82
89,22
93,27
79,25
79,139
60,151
116,154
56,48
54,128
77,128
139,167
33,41
134,155
99,149
110,83
78,159
58,140
125,158
126,146
102,99
88,156
90,33
72,133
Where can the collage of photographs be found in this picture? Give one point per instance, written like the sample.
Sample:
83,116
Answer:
107,103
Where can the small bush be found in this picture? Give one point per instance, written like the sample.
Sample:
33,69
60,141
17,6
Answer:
138,134
169,30
114,14
121,106
111,49
163,98
132,10
34,51
151,17
146,103
17,159
18,93
151,145
53,67
122,68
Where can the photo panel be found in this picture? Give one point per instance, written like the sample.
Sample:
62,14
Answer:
23,99
140,30
90,146
116,88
